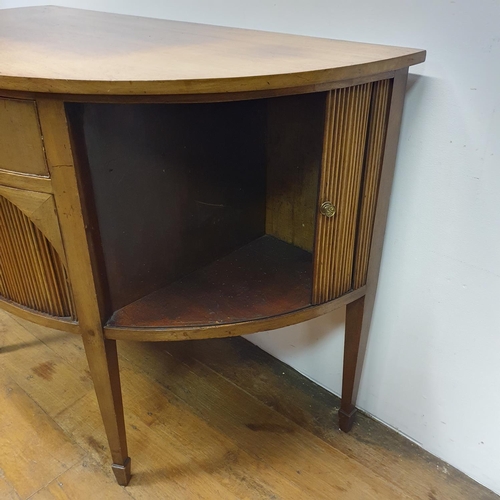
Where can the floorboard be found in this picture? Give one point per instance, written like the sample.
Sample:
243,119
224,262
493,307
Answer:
212,419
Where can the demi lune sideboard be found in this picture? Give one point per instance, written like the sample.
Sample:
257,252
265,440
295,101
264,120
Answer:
162,180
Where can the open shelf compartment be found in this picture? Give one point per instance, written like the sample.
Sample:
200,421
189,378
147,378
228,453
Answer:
205,212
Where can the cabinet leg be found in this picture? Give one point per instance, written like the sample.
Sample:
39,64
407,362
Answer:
102,357
350,377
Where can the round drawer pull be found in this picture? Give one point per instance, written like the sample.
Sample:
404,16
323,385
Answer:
327,209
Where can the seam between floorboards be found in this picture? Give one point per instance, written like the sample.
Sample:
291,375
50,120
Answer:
86,458
71,465
222,377
350,459
215,429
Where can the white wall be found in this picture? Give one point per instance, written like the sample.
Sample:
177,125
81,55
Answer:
432,369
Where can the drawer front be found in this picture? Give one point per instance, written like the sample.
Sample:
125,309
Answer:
354,141
21,146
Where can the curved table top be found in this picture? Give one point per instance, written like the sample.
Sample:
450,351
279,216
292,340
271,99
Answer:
73,51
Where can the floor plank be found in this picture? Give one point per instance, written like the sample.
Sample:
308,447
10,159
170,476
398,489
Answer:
7,491
217,419
33,449
84,480
259,430
49,379
376,446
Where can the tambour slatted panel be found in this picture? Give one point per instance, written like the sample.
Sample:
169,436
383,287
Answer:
343,155
377,128
31,272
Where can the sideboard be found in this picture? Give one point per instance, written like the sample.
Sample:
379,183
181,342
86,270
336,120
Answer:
165,181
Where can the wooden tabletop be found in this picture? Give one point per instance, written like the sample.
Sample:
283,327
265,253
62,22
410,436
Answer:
62,50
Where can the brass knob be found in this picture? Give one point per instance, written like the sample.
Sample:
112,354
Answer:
327,209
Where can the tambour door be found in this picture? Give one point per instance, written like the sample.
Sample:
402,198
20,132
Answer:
353,148
32,264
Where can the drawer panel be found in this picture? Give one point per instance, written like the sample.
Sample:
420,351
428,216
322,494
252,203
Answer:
21,147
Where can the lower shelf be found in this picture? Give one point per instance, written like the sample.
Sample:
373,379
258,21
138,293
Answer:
265,278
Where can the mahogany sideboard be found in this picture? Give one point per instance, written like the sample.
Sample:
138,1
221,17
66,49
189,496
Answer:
163,180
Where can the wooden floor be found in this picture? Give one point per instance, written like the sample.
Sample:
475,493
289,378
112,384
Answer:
216,419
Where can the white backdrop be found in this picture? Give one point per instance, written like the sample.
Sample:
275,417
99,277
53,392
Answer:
432,369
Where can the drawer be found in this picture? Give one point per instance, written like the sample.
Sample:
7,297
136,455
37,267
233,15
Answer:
21,147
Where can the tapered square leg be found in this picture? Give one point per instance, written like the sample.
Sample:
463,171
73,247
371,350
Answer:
102,357
350,378
86,280
122,472
346,420
355,338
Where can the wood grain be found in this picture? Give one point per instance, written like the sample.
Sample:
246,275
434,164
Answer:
159,334
397,97
175,187
265,278
84,480
21,148
294,147
280,387
374,155
343,155
107,166
101,353
24,181
172,392
31,271
36,369
245,440
257,431
201,98
353,327
116,54
41,210
39,318
32,447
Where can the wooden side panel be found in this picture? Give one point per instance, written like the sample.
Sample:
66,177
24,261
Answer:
377,130
343,154
21,148
294,146
31,271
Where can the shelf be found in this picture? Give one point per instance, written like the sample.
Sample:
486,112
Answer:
266,277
